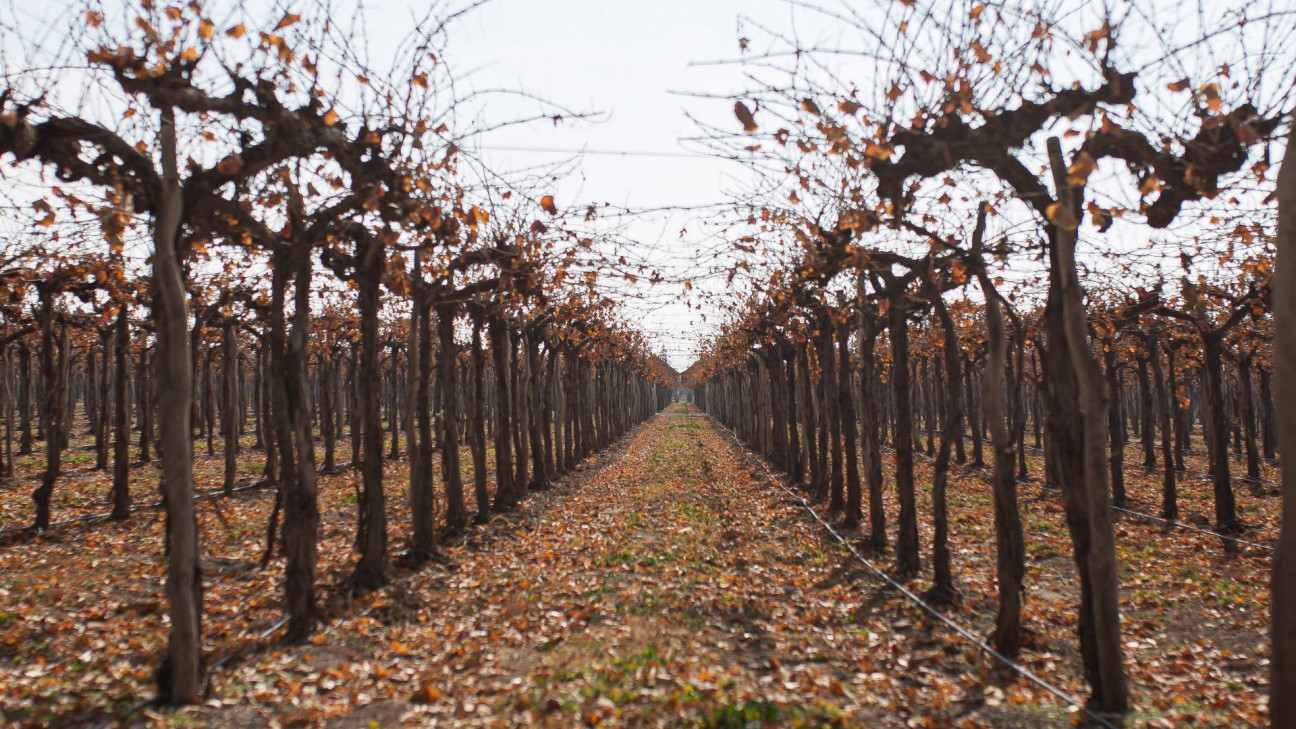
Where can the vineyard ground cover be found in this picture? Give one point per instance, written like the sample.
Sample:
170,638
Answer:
81,620
664,584
665,590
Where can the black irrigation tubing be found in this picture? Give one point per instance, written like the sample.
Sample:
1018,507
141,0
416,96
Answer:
260,637
1201,474
964,632
276,625
214,667
1243,479
1170,522
1200,530
968,466
134,509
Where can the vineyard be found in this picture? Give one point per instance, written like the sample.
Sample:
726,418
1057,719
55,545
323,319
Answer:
316,413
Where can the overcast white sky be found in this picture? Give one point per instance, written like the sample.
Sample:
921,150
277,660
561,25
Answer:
629,60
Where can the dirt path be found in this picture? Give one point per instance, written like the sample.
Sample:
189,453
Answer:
665,587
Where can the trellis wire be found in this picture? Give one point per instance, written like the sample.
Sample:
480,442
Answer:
964,632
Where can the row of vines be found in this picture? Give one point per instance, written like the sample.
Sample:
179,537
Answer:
1026,233
246,230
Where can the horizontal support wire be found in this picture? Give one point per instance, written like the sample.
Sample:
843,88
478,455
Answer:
1163,520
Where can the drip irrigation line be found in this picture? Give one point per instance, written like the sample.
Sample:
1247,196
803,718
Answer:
1242,479
1198,474
65,522
260,637
276,625
1170,522
1200,530
964,632
133,510
214,667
